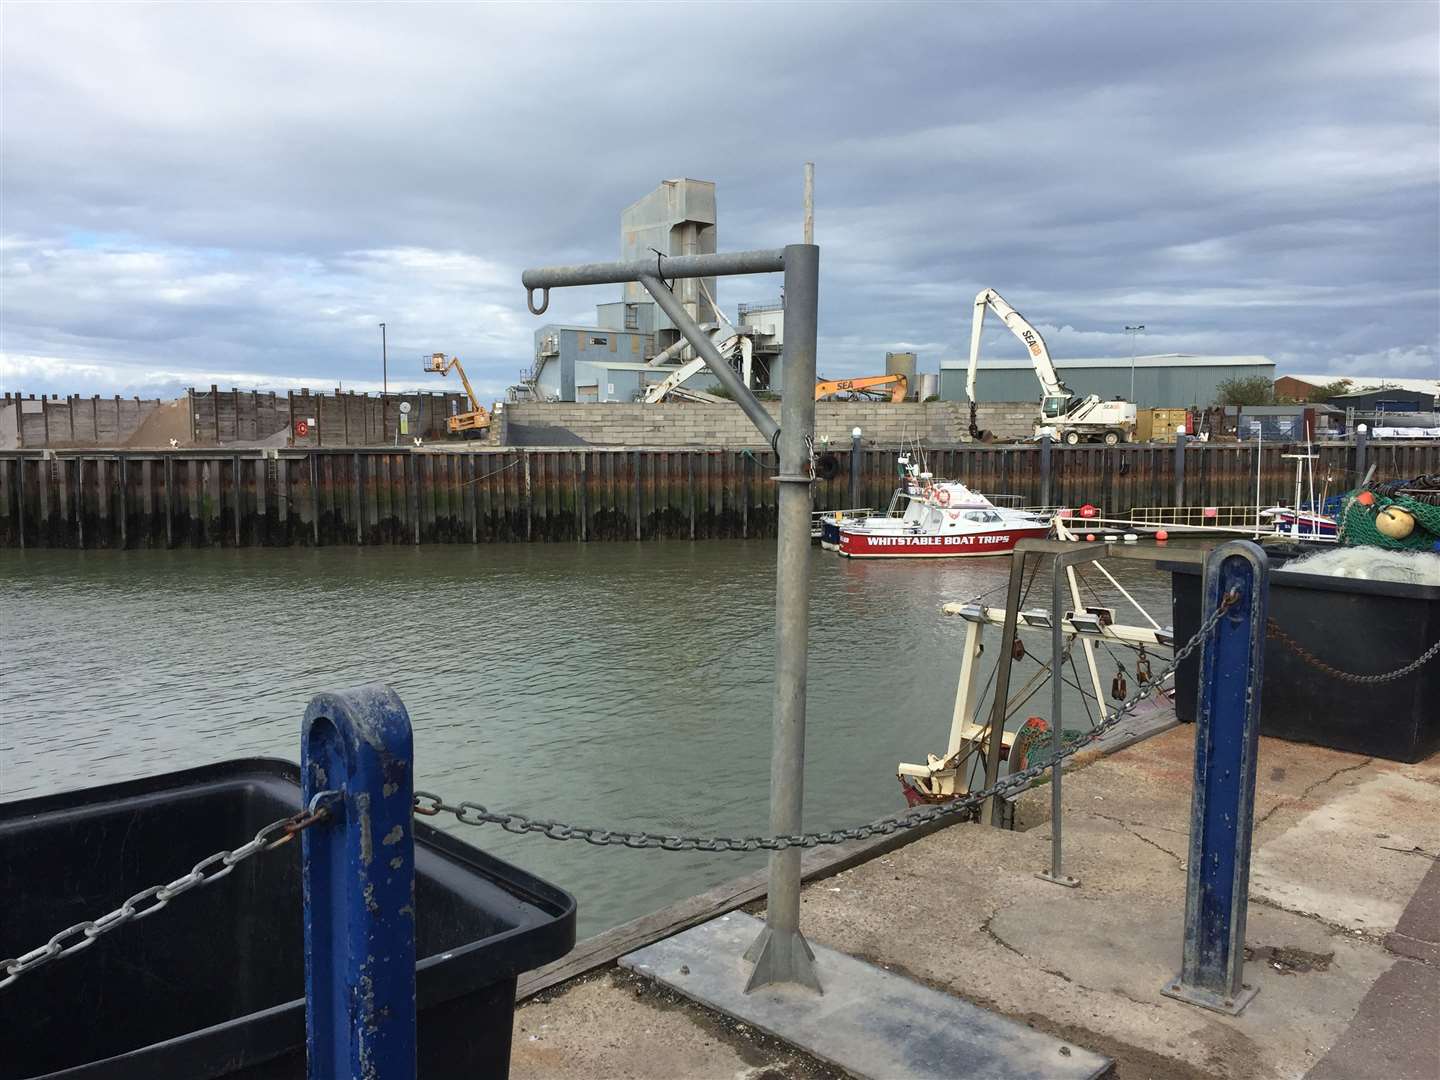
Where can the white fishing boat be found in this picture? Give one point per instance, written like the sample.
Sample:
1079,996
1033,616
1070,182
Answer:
929,519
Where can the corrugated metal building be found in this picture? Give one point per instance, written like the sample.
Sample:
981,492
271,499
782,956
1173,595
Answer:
587,363
1295,384
1173,380
1389,399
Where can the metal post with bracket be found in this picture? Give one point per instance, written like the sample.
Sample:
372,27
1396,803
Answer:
359,880
1227,739
780,954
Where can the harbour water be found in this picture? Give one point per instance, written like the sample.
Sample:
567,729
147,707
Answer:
624,685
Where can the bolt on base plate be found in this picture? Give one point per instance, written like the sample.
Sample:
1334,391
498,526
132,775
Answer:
1210,999
1064,879
781,956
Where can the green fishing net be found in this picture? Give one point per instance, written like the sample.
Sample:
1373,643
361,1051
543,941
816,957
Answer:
1357,522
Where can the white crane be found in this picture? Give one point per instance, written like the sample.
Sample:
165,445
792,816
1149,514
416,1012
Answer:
1063,415
726,337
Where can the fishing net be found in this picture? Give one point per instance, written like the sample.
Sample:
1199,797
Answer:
1034,744
1419,497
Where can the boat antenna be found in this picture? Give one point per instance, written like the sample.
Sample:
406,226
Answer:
1259,461
1310,473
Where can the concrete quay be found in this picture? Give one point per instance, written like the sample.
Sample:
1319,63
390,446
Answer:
1343,936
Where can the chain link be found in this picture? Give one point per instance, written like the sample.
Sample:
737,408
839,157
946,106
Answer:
1272,630
429,804
147,902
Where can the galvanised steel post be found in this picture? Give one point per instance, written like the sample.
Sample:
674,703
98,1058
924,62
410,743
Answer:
780,953
1180,440
359,879
855,465
1227,738
1059,604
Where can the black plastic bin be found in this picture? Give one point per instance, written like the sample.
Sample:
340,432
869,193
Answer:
213,985
1365,627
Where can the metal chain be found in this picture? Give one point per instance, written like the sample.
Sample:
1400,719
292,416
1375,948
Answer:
1272,629
147,902
429,804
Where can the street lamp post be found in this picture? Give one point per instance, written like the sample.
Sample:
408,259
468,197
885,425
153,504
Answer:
384,363
1132,331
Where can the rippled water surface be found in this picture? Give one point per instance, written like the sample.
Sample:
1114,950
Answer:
623,685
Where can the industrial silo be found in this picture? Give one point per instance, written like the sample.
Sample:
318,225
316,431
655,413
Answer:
904,363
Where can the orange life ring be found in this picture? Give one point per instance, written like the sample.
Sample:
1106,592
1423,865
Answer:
301,428
942,496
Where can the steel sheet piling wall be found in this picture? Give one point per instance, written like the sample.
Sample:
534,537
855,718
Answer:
342,496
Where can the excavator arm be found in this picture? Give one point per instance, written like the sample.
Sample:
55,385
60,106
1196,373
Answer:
899,386
1051,384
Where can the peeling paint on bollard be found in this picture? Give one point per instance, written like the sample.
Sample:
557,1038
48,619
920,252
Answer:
359,910
1227,739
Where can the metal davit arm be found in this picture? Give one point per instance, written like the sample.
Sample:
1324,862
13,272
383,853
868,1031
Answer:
652,274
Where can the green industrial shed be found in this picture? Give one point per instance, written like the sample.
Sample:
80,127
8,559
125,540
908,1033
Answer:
1172,380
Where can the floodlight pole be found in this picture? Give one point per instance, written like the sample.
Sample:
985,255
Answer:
1132,331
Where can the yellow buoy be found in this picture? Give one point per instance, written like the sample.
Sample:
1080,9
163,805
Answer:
1395,522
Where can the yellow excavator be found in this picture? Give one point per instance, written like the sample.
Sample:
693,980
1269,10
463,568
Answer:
470,424
874,387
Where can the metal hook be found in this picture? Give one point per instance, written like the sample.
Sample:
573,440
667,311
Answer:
660,255
544,301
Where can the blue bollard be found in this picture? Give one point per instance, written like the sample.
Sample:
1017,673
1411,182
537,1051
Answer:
359,875
1227,738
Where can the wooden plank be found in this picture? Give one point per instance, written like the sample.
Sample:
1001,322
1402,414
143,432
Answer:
79,487
357,506
605,948
20,502
583,502
124,501
412,493
471,471
262,500
529,497
169,481
193,470
745,464
315,493
236,494
282,497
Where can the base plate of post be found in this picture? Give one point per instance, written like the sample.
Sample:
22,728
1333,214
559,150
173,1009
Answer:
781,957
870,1022
1063,879
1209,999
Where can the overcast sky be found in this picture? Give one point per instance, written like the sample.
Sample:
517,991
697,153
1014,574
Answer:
240,193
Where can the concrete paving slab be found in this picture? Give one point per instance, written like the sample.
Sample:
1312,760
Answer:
869,1022
1349,860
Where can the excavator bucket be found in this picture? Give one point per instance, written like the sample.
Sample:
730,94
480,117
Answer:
978,433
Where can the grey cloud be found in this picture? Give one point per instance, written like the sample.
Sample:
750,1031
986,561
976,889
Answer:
251,189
